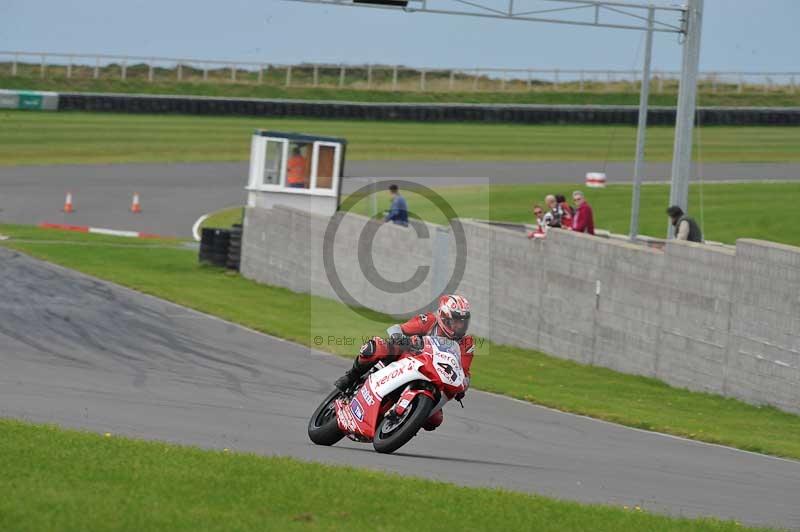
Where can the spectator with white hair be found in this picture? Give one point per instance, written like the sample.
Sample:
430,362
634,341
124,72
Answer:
583,220
555,213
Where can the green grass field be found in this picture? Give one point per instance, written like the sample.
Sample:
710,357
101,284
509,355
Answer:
172,273
65,480
730,211
568,94
84,138
727,211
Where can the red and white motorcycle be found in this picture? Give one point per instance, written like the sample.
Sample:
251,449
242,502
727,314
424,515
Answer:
392,402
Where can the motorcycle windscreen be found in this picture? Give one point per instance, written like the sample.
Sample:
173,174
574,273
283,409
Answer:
447,361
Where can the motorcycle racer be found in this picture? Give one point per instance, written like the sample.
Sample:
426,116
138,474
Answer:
450,320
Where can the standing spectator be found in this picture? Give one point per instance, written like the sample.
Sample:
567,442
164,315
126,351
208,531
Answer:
296,170
566,211
685,226
398,213
583,221
555,211
541,224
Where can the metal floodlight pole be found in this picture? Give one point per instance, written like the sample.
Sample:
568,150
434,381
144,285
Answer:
687,99
644,95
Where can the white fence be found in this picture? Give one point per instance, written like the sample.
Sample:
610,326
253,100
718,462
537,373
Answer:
379,77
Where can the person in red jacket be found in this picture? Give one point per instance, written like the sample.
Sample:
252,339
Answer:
583,220
450,320
297,170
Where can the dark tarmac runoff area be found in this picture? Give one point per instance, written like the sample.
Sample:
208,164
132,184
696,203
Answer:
87,354
174,196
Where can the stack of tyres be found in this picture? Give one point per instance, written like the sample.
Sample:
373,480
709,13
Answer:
222,239
206,245
235,248
214,246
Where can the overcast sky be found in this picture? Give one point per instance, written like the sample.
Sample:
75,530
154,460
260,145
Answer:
737,35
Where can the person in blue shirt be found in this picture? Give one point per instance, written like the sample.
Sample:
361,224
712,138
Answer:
398,213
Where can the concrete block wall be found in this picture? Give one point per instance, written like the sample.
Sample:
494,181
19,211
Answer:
269,253
707,318
284,247
695,315
763,358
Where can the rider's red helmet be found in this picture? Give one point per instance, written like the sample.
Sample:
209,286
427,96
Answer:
453,316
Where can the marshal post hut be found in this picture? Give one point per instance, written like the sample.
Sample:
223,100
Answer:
295,170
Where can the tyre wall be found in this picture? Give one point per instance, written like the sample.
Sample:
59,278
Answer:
526,114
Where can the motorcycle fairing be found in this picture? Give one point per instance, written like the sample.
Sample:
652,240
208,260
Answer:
344,417
360,414
396,375
447,363
407,396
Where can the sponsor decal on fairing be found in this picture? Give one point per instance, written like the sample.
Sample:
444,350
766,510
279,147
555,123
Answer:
348,424
357,409
386,378
395,374
448,368
365,393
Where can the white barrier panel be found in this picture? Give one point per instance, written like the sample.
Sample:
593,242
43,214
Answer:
596,180
34,100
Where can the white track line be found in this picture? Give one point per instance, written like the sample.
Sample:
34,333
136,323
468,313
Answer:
113,232
196,226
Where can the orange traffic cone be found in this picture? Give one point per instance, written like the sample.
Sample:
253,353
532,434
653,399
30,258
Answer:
68,203
136,208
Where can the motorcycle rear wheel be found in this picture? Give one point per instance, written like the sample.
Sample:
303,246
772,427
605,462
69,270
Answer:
388,442
323,429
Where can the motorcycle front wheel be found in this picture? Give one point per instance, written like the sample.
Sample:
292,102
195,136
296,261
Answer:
323,429
392,433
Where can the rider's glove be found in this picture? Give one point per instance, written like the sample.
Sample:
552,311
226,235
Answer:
398,339
417,343
404,343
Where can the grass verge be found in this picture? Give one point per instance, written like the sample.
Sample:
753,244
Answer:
726,211
604,94
86,138
224,218
173,274
69,480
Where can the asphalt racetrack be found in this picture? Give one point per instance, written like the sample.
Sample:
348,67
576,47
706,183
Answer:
174,196
84,353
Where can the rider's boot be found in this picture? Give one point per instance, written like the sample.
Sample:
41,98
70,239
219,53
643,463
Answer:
352,375
434,421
